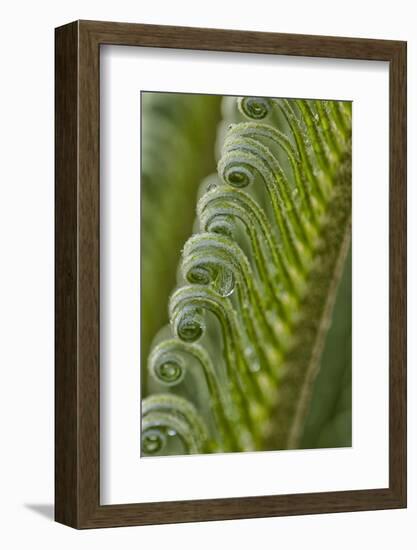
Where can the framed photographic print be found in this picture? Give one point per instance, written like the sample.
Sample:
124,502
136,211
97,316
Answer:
230,274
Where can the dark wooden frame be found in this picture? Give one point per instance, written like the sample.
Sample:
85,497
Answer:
77,274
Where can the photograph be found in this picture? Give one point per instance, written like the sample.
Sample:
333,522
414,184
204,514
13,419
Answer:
246,284
209,259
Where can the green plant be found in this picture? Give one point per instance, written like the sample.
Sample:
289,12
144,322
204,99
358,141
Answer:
178,131
257,284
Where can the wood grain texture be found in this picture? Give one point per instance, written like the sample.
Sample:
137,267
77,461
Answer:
77,404
66,237
398,274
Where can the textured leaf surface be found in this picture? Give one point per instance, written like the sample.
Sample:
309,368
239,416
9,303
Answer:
257,282
329,422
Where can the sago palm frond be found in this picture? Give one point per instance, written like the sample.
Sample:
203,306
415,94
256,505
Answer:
257,284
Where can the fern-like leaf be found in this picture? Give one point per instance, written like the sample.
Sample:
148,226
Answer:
259,280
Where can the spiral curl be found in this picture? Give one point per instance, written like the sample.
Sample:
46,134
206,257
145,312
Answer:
165,364
236,205
166,414
242,160
258,158
219,258
193,356
242,385
256,108
186,307
335,133
336,127
257,131
190,298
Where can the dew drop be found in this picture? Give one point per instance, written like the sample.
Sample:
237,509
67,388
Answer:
249,352
152,441
228,292
254,366
236,178
170,372
225,283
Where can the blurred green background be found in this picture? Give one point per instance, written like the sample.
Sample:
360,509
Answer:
177,151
